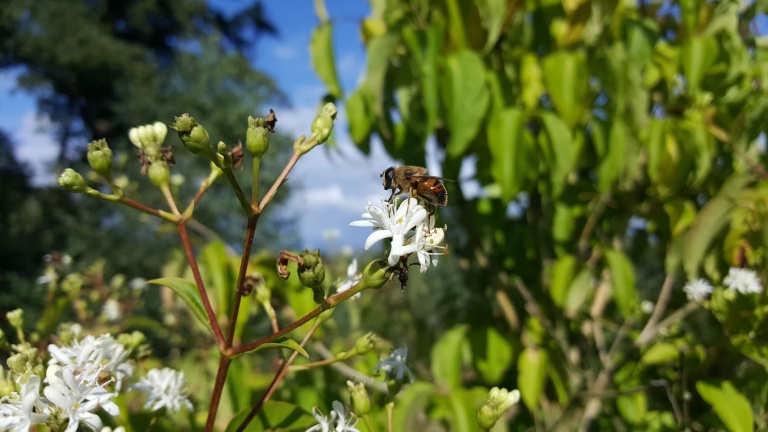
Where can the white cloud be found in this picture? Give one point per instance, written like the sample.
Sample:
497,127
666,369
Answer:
36,147
284,51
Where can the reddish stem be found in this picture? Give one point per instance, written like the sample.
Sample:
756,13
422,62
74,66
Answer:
278,182
199,282
249,232
140,207
218,389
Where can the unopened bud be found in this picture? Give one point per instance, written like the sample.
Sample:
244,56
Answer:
159,173
322,127
312,273
72,181
257,137
193,135
499,399
365,343
15,318
376,274
361,404
18,363
100,158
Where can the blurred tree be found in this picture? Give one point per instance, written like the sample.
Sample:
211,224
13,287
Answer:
98,68
617,146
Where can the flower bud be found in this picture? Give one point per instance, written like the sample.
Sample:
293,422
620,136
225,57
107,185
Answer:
321,128
133,137
312,273
160,130
499,399
365,343
18,363
72,181
376,274
15,318
257,137
193,135
100,158
361,405
159,173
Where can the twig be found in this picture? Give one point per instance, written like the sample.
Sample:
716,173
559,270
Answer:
661,305
278,181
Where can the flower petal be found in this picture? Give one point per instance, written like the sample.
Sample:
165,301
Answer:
376,236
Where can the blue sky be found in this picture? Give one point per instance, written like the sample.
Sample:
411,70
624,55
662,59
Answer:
333,186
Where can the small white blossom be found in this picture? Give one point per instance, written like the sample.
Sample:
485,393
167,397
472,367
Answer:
393,223
111,310
353,277
77,395
743,280
20,411
394,366
428,240
335,422
697,290
137,283
103,353
166,388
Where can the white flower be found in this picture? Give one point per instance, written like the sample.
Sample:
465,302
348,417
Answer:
166,388
20,411
427,240
117,429
77,395
394,224
394,366
502,398
353,277
336,421
102,353
697,290
743,280
111,310
137,283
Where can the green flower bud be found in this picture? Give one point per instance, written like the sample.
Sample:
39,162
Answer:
159,173
16,318
72,181
361,405
100,158
499,399
133,137
72,284
312,273
322,127
365,343
376,274
486,417
18,363
257,137
133,340
161,130
193,135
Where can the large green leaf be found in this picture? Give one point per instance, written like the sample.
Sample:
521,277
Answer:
446,357
563,273
532,375
565,74
562,150
187,290
697,55
612,164
623,276
491,353
281,342
730,405
508,149
710,221
380,51
359,118
321,50
469,99
411,404
274,415
493,14
220,274
661,352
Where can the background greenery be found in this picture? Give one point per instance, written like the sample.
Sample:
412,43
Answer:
619,148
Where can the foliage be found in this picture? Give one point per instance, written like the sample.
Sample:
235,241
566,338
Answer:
617,147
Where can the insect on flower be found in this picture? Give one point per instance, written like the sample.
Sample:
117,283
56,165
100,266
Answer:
414,181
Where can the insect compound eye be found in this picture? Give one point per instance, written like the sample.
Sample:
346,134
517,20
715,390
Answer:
389,176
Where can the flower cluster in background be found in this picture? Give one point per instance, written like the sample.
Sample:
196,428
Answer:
741,280
82,377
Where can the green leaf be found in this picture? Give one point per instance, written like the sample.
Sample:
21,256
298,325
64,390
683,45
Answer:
411,404
563,273
532,375
469,99
578,293
281,342
710,221
321,50
730,405
697,55
508,149
491,353
219,272
623,276
661,352
274,415
359,118
492,14
565,75
187,290
633,406
562,150
446,357
612,164
380,51
656,148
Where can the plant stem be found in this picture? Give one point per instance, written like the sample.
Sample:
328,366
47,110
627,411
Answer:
238,191
218,389
169,198
141,207
199,282
390,410
279,181
278,377
255,190
246,256
369,423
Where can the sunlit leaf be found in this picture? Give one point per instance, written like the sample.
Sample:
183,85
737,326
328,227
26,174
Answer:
623,276
506,142
491,353
493,14
532,375
563,273
660,353
469,99
561,149
321,50
446,357
187,290
730,405
411,404
565,74
697,55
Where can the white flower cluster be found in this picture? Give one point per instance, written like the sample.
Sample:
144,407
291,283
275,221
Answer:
81,378
410,227
739,280
335,422
395,366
